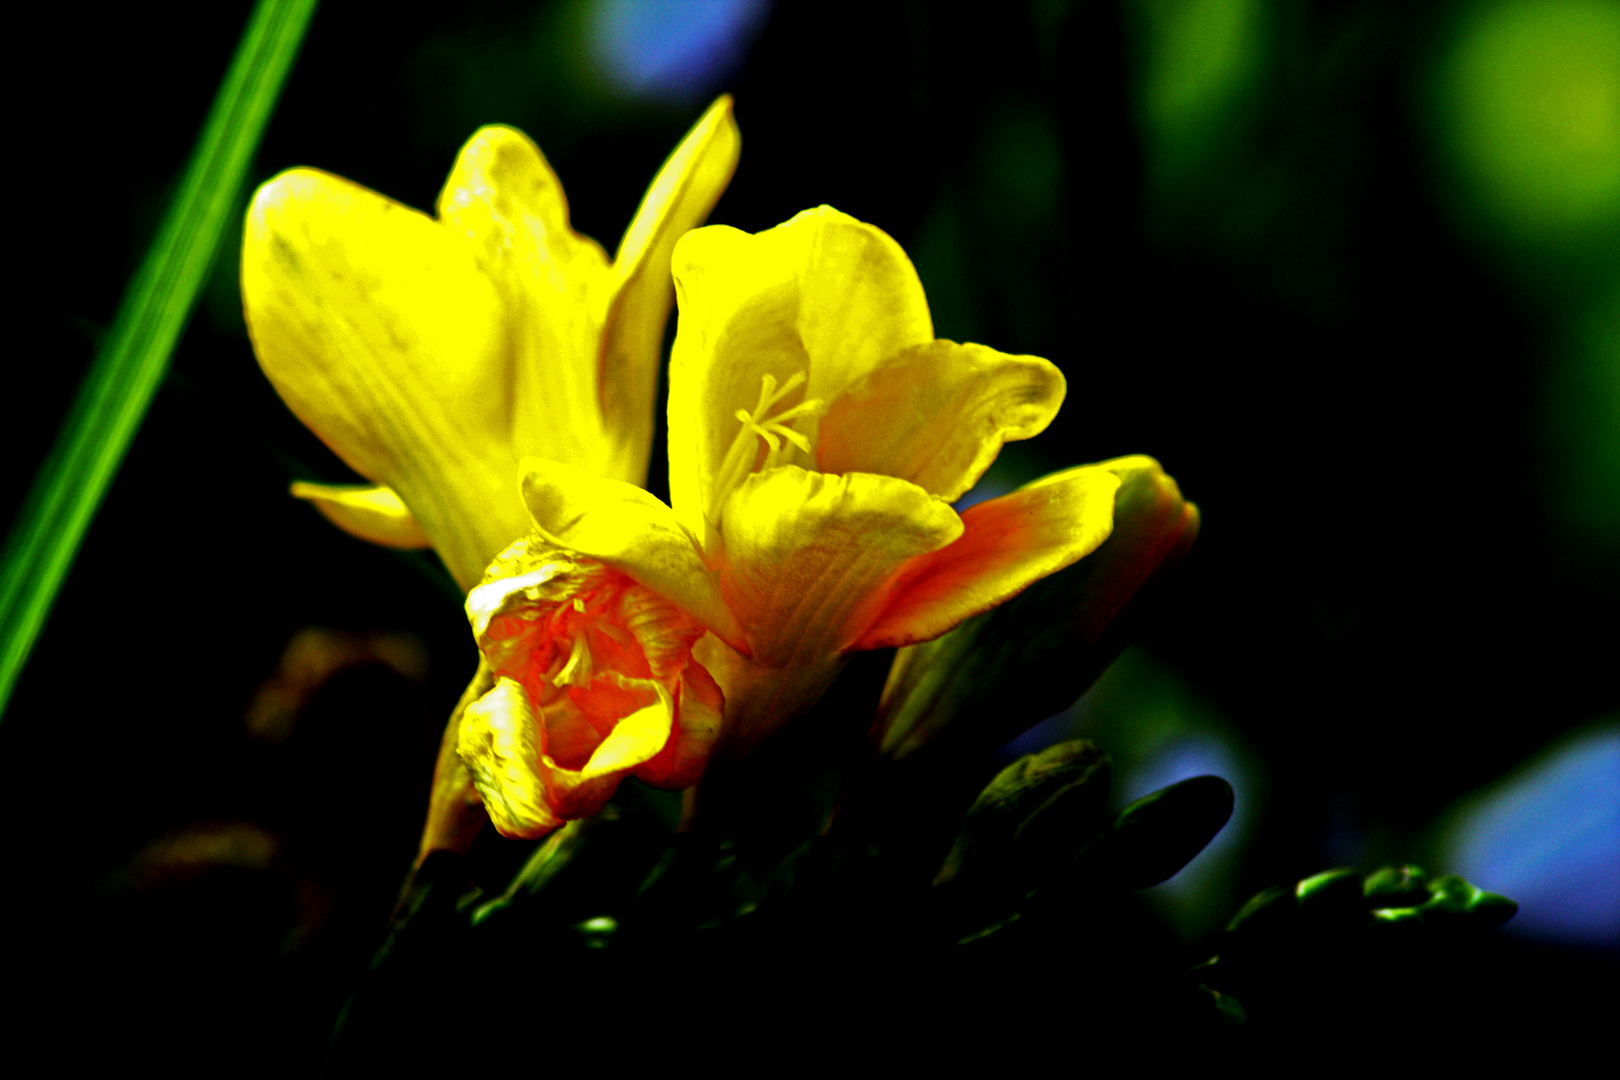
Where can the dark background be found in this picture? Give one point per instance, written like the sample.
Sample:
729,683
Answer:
1304,254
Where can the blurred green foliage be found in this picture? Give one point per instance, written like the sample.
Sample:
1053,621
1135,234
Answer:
1530,98
1201,63
1524,102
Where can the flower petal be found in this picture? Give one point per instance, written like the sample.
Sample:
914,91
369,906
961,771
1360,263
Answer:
809,557
938,414
376,327
1007,543
680,197
959,696
505,201
371,512
636,738
699,708
633,741
823,294
500,746
623,526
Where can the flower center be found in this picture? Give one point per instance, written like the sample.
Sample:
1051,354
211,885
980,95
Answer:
775,428
573,622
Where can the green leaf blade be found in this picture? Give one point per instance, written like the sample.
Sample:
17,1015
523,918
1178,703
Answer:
134,356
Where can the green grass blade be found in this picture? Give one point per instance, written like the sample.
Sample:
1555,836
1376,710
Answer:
135,353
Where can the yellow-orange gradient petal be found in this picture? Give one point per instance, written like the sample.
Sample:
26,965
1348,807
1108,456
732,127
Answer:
937,415
807,556
1006,544
633,740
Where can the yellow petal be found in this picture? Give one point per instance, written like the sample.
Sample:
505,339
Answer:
505,202
635,739
1007,544
809,557
623,526
377,328
681,196
823,295
368,511
938,414
500,746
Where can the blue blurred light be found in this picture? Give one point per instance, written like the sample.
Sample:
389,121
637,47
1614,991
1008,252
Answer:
672,50
1190,754
1550,839
1182,757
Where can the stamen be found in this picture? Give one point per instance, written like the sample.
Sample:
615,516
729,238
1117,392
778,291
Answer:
743,452
577,671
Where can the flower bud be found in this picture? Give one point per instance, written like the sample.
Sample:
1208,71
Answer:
1038,811
1155,836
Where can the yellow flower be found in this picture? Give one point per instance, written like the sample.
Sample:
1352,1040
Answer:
818,434
432,354
594,680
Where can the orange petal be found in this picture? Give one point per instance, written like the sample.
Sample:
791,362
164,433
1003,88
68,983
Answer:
699,706
1007,543
969,691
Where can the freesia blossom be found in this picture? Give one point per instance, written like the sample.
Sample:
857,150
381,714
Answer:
432,354
818,434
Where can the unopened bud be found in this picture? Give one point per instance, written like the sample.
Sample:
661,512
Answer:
1155,836
1037,812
